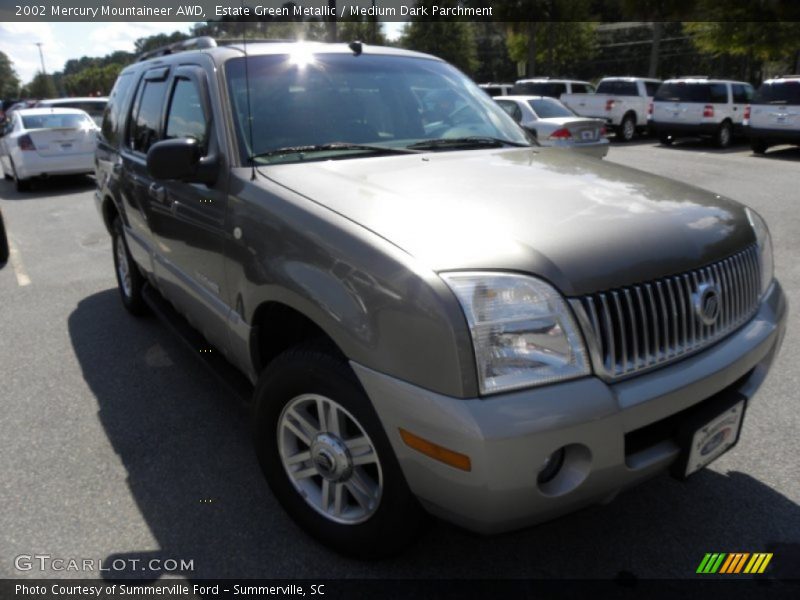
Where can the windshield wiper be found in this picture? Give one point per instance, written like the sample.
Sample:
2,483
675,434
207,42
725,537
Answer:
475,141
333,146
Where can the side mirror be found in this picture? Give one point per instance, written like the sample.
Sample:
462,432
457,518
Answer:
181,159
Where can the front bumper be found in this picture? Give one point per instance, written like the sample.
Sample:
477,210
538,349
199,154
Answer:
509,436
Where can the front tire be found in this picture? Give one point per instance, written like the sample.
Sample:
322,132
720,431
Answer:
724,135
327,459
130,281
22,185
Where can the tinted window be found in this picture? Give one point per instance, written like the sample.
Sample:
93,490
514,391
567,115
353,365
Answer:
783,92
144,130
57,121
692,92
544,88
115,109
94,108
580,88
719,93
186,118
651,87
512,109
550,107
618,88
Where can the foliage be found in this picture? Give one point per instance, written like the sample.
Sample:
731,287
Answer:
9,81
453,41
41,86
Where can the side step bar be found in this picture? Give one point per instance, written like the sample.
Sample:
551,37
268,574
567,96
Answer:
228,375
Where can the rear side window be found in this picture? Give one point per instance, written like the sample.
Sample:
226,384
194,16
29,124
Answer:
512,109
581,88
742,94
781,92
545,88
692,92
651,87
186,118
115,109
618,88
144,130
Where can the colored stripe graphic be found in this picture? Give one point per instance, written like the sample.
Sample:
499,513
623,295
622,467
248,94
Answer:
734,562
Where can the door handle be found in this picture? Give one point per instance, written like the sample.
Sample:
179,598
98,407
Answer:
158,192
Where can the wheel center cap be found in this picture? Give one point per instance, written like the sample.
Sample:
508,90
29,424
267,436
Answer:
331,457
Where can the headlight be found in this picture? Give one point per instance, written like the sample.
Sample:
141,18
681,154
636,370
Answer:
764,241
522,330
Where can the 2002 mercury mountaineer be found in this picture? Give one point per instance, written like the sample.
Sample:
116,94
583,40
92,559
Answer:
436,314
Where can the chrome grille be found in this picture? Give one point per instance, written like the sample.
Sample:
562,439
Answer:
642,326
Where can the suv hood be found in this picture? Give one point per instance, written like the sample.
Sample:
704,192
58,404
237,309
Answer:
584,224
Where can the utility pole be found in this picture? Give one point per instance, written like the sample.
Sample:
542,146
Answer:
41,57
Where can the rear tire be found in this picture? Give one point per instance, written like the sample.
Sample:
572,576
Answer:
627,129
724,135
325,493
758,146
22,185
130,281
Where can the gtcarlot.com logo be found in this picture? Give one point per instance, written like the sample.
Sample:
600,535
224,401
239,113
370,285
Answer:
46,562
734,563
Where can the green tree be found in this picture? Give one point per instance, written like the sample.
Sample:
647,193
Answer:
369,31
156,41
9,81
41,86
453,41
554,44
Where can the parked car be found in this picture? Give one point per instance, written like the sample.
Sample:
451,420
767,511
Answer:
545,86
4,106
497,89
622,102
93,106
699,106
39,142
435,315
554,124
774,115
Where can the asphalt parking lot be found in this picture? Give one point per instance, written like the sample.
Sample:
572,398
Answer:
116,443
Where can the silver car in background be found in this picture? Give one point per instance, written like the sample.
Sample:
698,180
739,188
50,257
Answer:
554,124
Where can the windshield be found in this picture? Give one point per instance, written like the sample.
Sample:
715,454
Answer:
547,108
57,121
784,92
309,100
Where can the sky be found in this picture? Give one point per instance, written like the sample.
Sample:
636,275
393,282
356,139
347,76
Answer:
63,41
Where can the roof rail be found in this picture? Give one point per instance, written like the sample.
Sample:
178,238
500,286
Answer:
692,77
197,43
792,76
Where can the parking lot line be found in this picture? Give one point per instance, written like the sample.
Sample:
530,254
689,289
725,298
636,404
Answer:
15,259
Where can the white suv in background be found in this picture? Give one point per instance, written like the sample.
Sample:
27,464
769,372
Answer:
774,115
699,106
554,88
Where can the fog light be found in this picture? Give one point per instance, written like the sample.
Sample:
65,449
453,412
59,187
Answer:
551,466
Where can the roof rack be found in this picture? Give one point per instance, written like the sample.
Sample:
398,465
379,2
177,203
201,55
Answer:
792,76
200,43
692,77
197,43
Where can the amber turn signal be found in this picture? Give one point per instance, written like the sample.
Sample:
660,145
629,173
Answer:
440,453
